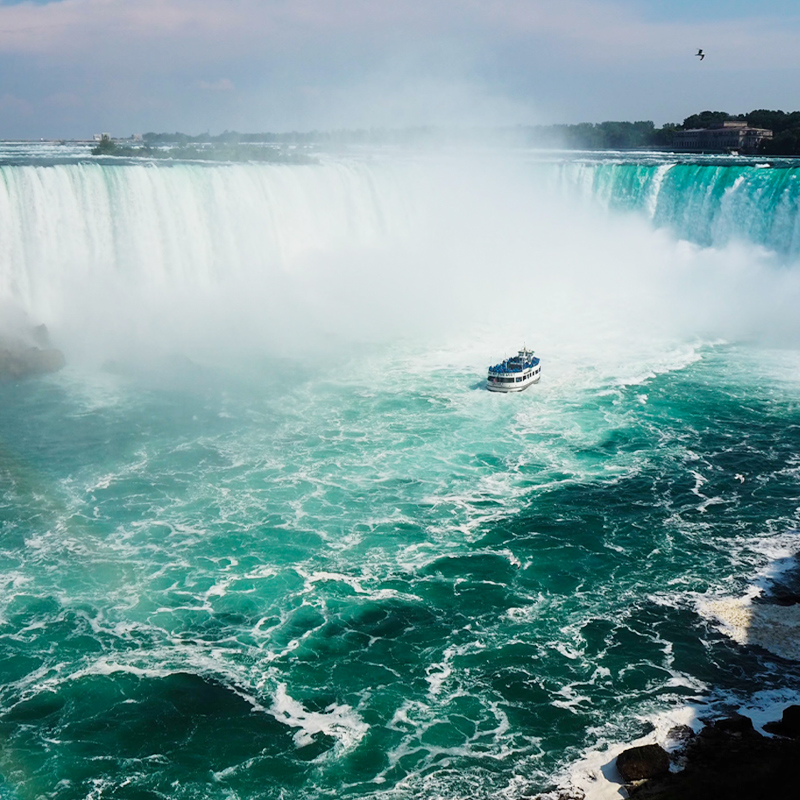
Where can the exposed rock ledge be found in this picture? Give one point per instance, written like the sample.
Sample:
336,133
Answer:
728,759
31,354
731,760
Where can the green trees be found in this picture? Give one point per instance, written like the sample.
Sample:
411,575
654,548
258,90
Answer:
786,130
663,137
594,136
289,147
784,125
705,119
637,135
785,143
105,147
776,121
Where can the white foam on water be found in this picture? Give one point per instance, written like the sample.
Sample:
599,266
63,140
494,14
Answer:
775,628
651,203
781,551
572,699
438,674
340,722
208,662
93,391
596,774
13,584
768,706
488,741
527,614
322,576
229,772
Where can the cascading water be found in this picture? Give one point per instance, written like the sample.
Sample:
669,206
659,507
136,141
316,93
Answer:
711,204
181,225
187,253
341,568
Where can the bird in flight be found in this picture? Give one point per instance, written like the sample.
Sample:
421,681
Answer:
700,54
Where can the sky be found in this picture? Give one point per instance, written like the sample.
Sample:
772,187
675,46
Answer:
72,68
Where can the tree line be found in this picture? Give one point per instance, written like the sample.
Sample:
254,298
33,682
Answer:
784,125
635,135
190,148
582,136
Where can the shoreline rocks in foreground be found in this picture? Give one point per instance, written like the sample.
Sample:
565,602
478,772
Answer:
727,759
22,357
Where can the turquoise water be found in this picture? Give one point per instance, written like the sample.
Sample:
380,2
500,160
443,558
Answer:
332,566
711,202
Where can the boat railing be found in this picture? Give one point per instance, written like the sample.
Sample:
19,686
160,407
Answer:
507,367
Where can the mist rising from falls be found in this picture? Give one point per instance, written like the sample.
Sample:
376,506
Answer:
281,259
143,253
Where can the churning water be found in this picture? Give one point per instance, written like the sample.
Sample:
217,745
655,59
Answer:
268,536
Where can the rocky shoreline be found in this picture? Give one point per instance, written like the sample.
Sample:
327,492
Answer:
28,354
728,759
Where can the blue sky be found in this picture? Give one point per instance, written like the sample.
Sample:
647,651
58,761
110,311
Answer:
74,67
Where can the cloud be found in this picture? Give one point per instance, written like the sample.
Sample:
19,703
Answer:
221,85
590,30
317,63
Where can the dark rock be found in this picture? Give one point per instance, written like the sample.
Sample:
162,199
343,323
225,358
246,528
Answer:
647,761
730,760
784,598
736,724
680,733
18,361
41,361
789,724
784,590
25,348
41,336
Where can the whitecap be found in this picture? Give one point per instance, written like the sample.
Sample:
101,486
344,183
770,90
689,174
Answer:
775,628
338,721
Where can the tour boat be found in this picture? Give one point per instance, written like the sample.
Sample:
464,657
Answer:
515,373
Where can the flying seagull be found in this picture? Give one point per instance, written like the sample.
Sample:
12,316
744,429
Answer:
700,54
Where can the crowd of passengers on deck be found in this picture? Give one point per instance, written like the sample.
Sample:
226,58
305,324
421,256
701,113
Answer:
511,366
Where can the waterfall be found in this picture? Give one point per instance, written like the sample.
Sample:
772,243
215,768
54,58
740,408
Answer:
197,225
181,225
377,246
708,204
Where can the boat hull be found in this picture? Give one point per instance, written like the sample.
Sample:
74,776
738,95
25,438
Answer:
514,387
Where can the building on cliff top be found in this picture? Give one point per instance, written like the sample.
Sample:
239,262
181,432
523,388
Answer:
724,137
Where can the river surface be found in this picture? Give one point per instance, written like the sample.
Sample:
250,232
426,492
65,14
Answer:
268,536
